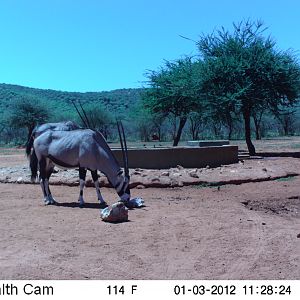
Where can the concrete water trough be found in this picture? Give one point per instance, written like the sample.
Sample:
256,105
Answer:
187,157
207,143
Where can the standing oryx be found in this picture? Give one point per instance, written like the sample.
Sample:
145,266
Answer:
83,149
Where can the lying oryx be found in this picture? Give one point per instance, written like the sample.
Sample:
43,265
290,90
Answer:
83,149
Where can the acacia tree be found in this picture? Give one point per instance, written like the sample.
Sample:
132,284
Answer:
257,115
198,121
27,112
195,123
245,71
100,118
173,91
287,120
143,123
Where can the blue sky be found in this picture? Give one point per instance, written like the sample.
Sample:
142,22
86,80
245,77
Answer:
95,45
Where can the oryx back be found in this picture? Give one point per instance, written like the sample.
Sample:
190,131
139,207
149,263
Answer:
67,126
77,148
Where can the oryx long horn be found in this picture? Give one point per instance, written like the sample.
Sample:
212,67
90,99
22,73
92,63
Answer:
81,117
124,148
126,151
86,118
122,145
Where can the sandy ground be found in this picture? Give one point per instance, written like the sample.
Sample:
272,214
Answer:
247,231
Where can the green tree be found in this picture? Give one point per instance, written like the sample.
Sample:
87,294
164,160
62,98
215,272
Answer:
257,116
287,119
99,118
158,120
243,70
173,91
197,121
27,112
146,122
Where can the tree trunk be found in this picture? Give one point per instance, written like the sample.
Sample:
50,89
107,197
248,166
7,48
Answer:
257,134
229,132
229,124
251,148
159,133
193,129
182,122
285,129
257,128
196,135
286,125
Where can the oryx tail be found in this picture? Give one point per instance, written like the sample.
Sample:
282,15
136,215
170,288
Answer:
29,145
33,161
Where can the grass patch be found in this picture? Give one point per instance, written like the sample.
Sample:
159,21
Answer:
10,151
295,146
206,185
288,178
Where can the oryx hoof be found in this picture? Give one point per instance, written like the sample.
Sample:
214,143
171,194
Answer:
103,205
128,204
81,201
51,200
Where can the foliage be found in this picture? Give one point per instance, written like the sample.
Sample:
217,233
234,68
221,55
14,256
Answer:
239,82
27,112
99,118
287,119
117,101
147,123
243,71
173,90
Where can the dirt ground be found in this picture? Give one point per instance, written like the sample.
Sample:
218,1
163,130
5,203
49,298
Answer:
246,231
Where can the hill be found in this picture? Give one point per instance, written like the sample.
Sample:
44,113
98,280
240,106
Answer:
117,101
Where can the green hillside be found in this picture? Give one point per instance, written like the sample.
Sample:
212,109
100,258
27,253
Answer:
123,103
116,101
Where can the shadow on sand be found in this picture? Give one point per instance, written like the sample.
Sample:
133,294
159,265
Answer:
76,205
90,205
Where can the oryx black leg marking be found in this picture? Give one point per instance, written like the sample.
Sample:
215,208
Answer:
96,183
82,175
94,175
